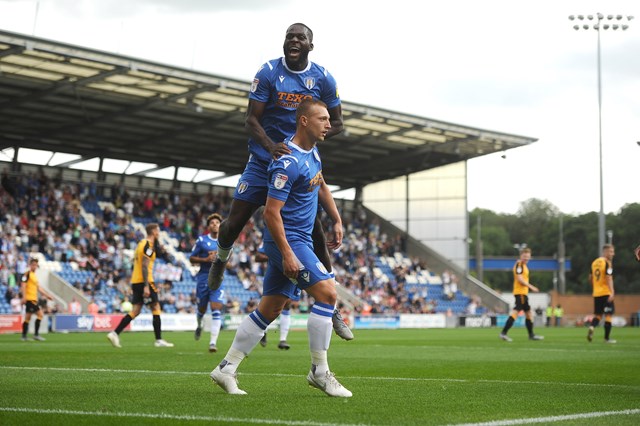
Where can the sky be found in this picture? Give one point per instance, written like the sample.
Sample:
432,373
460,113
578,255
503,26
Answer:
504,65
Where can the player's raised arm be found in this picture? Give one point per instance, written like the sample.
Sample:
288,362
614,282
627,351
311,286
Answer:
253,125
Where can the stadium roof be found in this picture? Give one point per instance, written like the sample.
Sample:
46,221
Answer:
92,104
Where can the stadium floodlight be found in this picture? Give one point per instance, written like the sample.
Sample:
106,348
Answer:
598,27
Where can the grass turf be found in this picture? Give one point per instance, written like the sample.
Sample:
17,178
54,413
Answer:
398,377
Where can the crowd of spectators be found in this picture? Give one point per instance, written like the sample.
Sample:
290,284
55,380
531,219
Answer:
42,214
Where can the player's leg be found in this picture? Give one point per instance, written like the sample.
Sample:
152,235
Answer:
25,323
319,327
202,300
511,319
285,324
230,228
598,312
529,323
247,336
608,316
249,195
216,319
114,336
36,331
156,321
322,251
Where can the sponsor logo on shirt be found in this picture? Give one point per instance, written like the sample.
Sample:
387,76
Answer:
315,181
280,181
291,100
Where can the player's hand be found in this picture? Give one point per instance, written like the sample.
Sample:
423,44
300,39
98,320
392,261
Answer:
278,150
338,234
291,266
147,292
610,298
534,288
637,253
212,256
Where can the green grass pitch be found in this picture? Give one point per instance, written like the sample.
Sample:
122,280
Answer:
398,377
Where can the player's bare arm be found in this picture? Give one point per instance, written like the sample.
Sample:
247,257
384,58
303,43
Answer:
329,205
256,131
145,275
337,125
531,286
210,258
273,219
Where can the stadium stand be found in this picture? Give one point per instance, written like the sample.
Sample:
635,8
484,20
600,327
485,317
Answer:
87,237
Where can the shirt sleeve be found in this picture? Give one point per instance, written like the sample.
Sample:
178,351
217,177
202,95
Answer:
282,174
261,85
195,251
148,250
330,95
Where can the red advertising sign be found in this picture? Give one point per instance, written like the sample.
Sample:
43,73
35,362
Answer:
10,323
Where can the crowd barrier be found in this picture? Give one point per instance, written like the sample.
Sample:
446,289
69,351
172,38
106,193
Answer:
187,322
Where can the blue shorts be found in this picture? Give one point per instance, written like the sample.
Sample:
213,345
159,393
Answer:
253,184
275,282
204,296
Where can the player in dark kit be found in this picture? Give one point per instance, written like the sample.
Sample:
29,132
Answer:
601,278
521,287
30,288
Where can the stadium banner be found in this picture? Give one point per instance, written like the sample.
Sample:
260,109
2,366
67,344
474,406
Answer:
477,321
67,323
377,321
423,321
232,322
502,319
11,324
170,322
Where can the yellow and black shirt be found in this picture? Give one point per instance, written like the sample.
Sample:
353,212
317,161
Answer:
520,268
31,286
600,269
144,249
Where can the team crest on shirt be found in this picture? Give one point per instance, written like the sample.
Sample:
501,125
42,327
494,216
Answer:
242,187
309,82
254,84
280,181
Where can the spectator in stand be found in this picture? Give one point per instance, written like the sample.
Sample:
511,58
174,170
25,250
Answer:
16,304
93,308
74,307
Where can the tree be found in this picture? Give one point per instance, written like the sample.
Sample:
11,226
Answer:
537,224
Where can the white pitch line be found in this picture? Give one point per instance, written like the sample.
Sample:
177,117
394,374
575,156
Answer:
398,379
550,419
164,416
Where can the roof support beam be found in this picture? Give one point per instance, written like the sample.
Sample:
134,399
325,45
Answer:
63,85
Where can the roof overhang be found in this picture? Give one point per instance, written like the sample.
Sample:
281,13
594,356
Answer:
69,99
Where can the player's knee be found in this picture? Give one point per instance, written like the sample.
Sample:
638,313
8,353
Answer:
326,293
